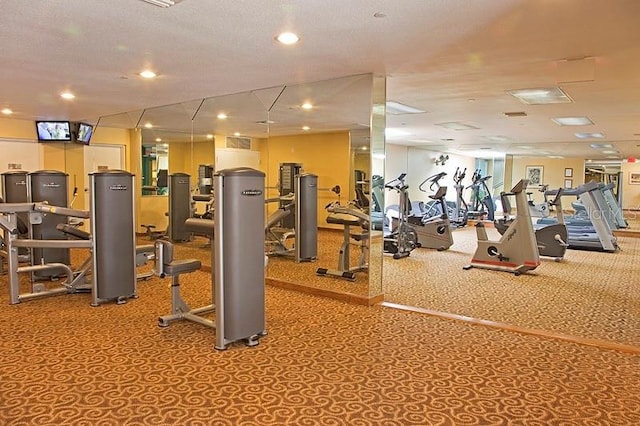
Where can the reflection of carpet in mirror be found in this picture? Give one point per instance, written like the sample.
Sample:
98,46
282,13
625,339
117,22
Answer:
589,294
286,269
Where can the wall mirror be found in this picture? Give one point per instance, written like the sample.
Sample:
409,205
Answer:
264,129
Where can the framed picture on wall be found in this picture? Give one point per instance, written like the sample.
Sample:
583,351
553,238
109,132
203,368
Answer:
568,172
568,183
634,178
535,174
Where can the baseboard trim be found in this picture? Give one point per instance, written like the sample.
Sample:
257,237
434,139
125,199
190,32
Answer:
601,344
352,298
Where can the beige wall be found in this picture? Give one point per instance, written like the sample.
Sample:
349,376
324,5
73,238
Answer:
553,172
326,155
630,192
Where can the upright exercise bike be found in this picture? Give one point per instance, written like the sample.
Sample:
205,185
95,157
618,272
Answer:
516,251
400,238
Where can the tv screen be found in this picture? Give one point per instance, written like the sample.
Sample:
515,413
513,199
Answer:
53,131
84,133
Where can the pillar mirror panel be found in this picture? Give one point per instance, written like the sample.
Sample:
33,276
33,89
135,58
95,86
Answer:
321,139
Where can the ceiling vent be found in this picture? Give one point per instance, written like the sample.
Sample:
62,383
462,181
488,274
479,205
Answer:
516,114
238,143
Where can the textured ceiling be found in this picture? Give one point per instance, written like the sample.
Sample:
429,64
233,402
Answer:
453,58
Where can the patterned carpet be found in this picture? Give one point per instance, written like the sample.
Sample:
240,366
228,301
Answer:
323,362
590,294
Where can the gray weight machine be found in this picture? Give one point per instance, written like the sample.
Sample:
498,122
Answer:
238,261
109,272
300,210
516,251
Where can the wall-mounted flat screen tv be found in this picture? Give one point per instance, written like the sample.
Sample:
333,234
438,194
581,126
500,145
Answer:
53,131
84,133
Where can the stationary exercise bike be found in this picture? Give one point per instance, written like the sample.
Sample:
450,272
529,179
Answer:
434,231
516,251
551,238
400,238
541,209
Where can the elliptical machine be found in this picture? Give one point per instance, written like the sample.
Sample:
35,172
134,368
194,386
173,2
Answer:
400,238
516,251
434,230
460,214
481,200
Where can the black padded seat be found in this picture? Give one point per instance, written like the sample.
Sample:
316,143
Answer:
199,226
73,231
200,197
178,267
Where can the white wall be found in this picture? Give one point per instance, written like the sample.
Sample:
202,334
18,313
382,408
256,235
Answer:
421,165
26,153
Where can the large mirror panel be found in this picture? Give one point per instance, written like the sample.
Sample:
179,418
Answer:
316,130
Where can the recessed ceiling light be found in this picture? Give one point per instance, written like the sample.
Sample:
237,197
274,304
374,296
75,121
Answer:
305,128
454,125
601,145
306,106
396,108
379,15
556,156
540,96
572,121
365,148
67,95
209,136
524,147
584,135
148,125
158,140
222,116
287,38
236,134
7,111
147,74
608,151
420,141
612,156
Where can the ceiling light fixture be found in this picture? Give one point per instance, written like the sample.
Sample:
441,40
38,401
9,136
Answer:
379,15
572,121
496,138
306,106
222,116
148,74
287,38
396,108
454,125
67,95
7,111
236,134
158,140
608,151
306,128
148,125
540,96
585,135
162,3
